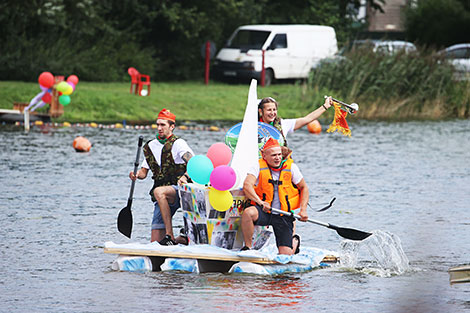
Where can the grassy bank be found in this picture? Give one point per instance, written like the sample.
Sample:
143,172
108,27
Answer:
112,102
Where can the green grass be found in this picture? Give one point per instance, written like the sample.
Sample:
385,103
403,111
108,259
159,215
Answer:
194,101
412,90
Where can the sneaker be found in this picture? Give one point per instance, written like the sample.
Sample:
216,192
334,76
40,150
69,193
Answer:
167,241
245,248
297,249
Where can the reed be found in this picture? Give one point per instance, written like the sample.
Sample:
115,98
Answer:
396,86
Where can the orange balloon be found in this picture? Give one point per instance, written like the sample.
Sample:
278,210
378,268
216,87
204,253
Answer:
81,144
314,127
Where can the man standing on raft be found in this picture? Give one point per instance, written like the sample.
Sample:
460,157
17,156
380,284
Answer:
267,113
167,157
278,183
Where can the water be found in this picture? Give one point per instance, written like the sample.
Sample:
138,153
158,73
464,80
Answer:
406,181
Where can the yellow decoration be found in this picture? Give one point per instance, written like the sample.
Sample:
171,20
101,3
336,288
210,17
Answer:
220,200
66,124
93,124
339,123
118,125
39,123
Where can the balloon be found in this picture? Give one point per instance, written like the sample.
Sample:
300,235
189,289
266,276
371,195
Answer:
46,79
144,92
62,86
72,84
220,200
72,79
199,169
64,100
223,177
68,90
46,98
220,154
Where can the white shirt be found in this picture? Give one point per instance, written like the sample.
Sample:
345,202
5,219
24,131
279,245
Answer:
288,126
179,148
296,178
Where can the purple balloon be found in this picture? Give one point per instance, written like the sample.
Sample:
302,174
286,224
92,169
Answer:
43,88
223,177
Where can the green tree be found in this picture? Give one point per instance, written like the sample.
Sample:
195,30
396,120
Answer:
438,23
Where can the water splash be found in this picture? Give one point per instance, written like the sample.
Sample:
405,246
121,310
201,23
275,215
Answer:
385,248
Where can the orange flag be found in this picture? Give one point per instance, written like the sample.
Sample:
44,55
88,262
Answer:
339,123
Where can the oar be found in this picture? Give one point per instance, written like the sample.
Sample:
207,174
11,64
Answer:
325,208
124,221
348,233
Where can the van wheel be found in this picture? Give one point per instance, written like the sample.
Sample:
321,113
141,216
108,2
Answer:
268,77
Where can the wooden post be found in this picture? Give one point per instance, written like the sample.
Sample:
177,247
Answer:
26,120
208,57
263,70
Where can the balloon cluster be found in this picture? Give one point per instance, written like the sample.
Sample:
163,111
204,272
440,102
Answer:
65,88
213,167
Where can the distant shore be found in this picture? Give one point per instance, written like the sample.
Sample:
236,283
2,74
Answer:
193,101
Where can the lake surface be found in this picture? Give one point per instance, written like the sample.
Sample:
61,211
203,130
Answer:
58,207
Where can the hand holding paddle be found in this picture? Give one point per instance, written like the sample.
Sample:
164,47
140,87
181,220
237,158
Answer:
348,233
124,221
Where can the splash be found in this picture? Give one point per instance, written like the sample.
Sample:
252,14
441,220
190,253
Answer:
384,247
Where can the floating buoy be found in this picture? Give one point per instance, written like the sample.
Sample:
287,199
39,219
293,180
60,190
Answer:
154,126
39,123
183,127
66,124
314,127
81,144
213,129
118,125
93,124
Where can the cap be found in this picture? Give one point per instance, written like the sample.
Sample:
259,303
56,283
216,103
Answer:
271,143
166,115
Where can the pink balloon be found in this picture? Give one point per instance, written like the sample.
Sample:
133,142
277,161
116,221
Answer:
220,154
223,177
72,84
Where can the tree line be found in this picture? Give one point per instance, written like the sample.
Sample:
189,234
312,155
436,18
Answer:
99,40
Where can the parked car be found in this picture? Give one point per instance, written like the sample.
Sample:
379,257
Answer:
385,46
459,56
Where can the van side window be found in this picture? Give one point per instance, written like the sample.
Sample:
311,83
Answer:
279,42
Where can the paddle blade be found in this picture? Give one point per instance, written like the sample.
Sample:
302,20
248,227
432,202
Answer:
349,233
124,221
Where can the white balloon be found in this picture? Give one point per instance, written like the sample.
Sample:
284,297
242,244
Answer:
144,92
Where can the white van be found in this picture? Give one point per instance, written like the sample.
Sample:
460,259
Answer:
291,51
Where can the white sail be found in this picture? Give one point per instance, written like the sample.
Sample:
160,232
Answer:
246,152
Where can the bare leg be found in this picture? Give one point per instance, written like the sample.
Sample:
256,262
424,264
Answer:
157,235
165,195
285,250
249,216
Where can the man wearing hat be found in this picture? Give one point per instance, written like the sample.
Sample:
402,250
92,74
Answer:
274,182
166,156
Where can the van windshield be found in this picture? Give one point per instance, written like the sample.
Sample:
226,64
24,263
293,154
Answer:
248,39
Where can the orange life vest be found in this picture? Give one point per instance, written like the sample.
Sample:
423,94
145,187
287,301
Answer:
289,194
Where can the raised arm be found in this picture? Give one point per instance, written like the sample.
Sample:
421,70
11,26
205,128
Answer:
302,121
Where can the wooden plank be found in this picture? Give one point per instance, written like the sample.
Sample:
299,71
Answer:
460,274
182,255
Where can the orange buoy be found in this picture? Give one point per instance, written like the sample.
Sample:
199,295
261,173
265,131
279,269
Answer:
81,144
314,127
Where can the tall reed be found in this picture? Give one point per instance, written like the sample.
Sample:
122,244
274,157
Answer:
402,85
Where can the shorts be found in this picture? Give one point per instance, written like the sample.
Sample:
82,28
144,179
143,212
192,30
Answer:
157,221
283,226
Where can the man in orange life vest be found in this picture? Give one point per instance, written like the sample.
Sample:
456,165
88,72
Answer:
166,156
274,182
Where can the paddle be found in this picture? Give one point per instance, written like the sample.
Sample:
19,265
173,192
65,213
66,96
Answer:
124,221
325,208
348,233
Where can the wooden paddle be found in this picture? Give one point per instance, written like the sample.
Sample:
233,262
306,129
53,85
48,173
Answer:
124,221
348,233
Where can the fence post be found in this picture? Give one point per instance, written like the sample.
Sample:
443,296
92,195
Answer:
208,57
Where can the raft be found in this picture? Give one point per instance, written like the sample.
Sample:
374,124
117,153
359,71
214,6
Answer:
460,274
140,257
